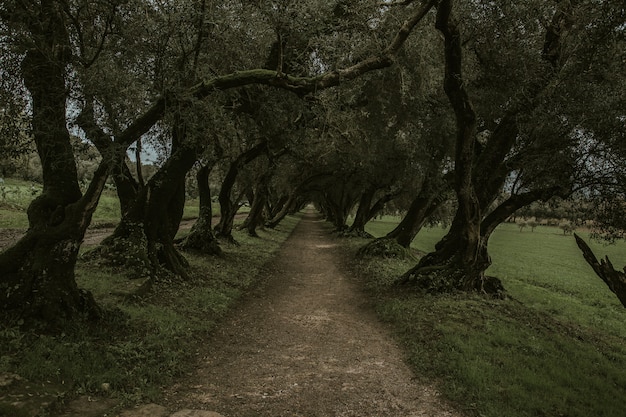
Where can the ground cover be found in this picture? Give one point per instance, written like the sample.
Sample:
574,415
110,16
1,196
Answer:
143,342
556,347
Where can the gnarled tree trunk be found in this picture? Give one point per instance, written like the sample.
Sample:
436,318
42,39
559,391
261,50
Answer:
461,257
430,197
458,263
228,208
362,215
274,206
37,273
286,207
143,241
255,216
201,237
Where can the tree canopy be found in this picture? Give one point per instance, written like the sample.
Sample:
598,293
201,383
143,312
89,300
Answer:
497,106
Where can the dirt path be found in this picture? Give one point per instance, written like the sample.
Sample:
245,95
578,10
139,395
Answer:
308,344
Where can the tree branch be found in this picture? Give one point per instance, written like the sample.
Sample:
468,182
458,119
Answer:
297,85
616,280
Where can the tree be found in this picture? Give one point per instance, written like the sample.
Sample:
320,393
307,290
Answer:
228,205
505,159
201,237
37,272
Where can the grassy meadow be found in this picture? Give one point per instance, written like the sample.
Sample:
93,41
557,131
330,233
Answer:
556,347
16,195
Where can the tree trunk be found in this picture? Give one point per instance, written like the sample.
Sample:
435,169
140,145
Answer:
430,197
379,205
201,237
449,268
413,221
461,259
616,280
259,203
255,216
338,201
125,184
363,213
143,242
37,273
273,208
288,205
337,215
228,208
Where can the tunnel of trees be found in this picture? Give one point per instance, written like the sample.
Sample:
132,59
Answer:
481,110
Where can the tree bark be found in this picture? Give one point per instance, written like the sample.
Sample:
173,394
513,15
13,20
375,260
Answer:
615,280
379,205
461,257
362,215
431,196
255,216
286,207
465,257
201,237
273,208
126,186
339,197
410,225
143,242
228,208
37,273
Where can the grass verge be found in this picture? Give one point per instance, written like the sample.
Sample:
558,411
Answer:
142,344
556,348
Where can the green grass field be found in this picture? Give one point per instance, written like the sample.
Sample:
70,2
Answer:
557,347
16,195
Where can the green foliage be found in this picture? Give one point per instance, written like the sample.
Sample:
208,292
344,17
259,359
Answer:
143,342
557,347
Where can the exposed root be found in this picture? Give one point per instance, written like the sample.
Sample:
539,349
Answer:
355,233
384,248
449,278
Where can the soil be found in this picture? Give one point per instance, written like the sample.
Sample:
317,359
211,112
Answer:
307,343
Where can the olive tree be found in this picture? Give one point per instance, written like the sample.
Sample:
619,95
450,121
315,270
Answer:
55,38
513,116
